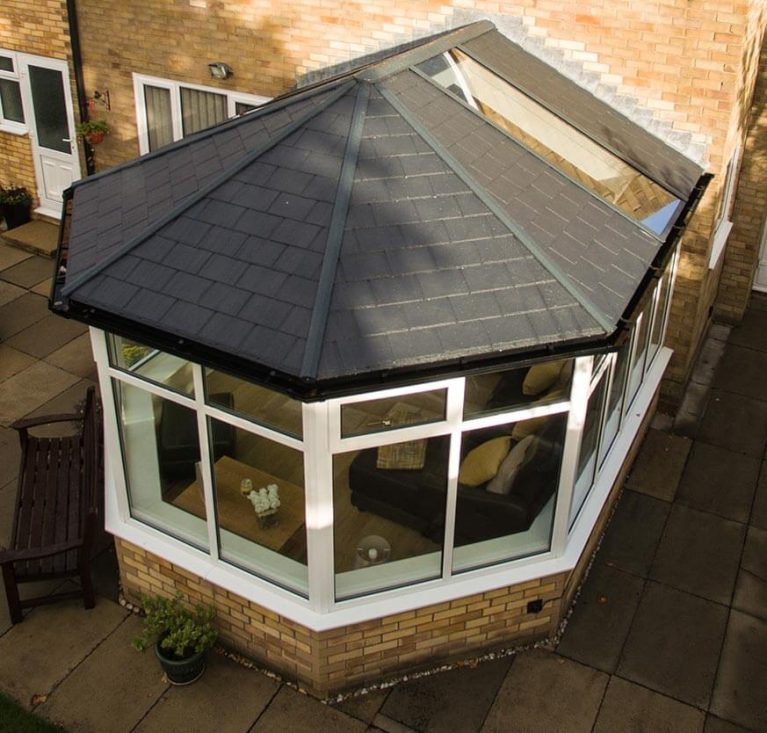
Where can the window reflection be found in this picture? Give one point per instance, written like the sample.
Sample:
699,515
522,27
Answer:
150,363
553,139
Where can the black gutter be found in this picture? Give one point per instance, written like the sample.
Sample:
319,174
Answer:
77,63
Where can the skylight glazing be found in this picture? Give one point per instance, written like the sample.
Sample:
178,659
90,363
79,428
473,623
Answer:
553,139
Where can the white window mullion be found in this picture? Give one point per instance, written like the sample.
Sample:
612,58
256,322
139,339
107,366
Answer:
206,470
579,398
318,482
454,411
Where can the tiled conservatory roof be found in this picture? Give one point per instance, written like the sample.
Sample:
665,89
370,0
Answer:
369,223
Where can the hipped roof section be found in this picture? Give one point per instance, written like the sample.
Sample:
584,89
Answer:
370,223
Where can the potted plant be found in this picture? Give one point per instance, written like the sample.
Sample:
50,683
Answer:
15,205
93,130
182,637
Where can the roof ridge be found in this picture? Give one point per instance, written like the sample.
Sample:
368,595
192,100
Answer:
219,180
267,108
487,199
321,310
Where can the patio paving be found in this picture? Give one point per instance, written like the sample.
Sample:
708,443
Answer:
669,632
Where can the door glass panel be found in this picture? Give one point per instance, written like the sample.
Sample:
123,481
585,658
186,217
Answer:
50,109
10,100
6,63
159,119
201,109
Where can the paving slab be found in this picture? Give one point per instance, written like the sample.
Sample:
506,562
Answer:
20,313
659,465
674,643
458,700
546,692
739,692
632,536
30,388
10,455
9,292
717,725
365,707
228,697
699,553
759,510
40,236
629,707
44,287
735,422
292,712
601,619
742,371
751,587
10,256
29,272
13,361
48,334
752,330
719,481
37,654
111,690
709,357
75,357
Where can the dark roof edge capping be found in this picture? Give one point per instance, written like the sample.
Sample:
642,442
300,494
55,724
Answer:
267,108
314,390
315,337
562,114
602,319
174,213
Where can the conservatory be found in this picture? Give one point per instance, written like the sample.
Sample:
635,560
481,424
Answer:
374,355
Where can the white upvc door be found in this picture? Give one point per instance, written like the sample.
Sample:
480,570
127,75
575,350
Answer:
48,109
760,279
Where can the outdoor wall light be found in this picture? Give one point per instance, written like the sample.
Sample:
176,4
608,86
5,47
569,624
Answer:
220,70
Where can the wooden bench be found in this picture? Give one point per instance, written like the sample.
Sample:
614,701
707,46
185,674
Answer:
56,510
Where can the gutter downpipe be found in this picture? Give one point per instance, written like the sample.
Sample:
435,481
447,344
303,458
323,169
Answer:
77,63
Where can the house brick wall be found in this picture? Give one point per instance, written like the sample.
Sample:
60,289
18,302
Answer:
330,661
750,210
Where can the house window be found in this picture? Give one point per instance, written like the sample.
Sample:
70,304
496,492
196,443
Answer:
726,202
167,111
11,107
151,364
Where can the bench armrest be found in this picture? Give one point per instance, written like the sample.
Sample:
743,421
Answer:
36,553
31,422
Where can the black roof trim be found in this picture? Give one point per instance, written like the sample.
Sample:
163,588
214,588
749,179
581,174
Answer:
174,213
315,337
604,322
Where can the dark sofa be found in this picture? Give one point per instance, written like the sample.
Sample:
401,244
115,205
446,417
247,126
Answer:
417,498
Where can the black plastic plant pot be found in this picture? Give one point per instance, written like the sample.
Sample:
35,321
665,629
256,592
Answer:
181,671
16,214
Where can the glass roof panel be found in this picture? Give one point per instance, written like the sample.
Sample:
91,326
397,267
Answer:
553,139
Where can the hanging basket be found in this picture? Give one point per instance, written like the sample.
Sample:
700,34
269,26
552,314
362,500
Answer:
94,138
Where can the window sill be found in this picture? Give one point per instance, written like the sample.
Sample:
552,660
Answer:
14,128
720,240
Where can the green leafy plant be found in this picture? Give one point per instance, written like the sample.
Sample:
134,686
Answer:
13,194
181,631
133,353
93,127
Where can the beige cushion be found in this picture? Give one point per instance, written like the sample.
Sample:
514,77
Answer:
528,427
502,482
482,463
541,377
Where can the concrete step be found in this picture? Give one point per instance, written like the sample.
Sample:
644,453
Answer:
39,237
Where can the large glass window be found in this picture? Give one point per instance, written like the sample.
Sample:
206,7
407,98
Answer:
659,318
587,460
161,448
641,334
498,391
553,139
260,504
152,364
389,507
11,108
390,413
265,406
507,486
615,399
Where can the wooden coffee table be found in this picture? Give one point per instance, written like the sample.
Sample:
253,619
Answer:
236,513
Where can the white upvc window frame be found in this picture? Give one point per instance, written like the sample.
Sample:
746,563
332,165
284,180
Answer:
321,423
723,225
6,125
174,87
